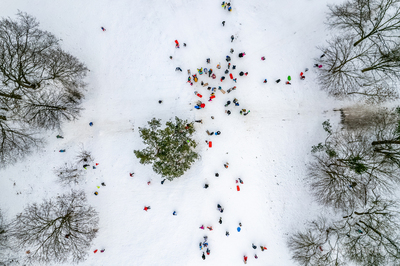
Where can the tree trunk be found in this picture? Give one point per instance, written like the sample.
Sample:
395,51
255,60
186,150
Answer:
386,142
367,69
12,95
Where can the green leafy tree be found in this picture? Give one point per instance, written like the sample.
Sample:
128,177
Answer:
170,150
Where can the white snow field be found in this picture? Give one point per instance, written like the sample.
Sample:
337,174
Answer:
130,71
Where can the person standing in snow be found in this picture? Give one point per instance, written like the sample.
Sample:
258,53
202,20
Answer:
162,182
245,259
204,256
232,38
228,58
242,54
241,73
174,213
227,233
228,112
223,23
253,246
210,72
59,137
265,81
146,208
278,80
205,186
178,69
220,220
103,29
208,251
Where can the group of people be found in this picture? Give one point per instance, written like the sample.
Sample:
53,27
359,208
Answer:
211,74
202,78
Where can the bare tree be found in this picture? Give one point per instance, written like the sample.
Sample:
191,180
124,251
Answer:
348,169
367,19
40,84
73,172
57,230
47,110
15,142
360,71
3,229
69,173
307,247
368,235
8,254
84,157
384,126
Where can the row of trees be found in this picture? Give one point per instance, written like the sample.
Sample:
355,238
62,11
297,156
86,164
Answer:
40,86
355,173
60,229
363,61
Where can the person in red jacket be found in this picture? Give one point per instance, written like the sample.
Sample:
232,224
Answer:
146,208
245,259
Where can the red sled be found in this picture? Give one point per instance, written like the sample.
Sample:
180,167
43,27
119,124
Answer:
198,94
237,188
230,75
210,144
176,41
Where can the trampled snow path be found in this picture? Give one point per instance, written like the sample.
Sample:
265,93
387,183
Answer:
131,71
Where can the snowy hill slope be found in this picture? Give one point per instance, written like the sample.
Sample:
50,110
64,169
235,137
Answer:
130,71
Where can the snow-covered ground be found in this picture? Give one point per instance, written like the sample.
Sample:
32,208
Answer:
130,71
